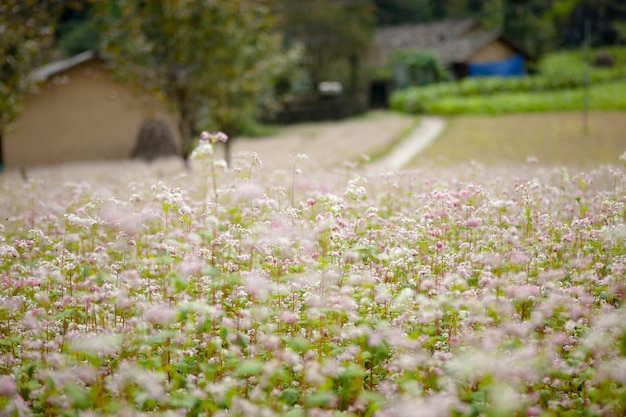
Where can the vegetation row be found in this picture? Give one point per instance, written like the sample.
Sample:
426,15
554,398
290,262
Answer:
561,77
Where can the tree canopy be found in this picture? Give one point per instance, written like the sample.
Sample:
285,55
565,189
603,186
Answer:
26,32
212,60
535,25
335,35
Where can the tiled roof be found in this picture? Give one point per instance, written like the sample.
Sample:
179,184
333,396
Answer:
424,35
451,41
462,48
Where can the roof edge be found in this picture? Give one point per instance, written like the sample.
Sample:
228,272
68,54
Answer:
46,71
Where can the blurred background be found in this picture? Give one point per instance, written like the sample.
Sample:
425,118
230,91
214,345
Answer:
110,79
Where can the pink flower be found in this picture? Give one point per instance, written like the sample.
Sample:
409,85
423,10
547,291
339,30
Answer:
221,137
214,137
161,314
289,317
191,265
473,222
8,387
257,286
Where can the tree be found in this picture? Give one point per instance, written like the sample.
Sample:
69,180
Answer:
26,32
393,12
212,60
335,35
77,29
604,17
526,23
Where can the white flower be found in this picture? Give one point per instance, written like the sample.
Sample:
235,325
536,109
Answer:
203,150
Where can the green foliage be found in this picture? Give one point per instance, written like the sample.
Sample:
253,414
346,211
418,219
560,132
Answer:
214,62
419,67
78,36
561,79
610,96
335,36
26,33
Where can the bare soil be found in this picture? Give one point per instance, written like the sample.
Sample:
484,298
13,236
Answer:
328,144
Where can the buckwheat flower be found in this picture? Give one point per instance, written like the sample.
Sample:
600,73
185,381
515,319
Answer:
289,317
106,344
153,384
519,258
257,286
374,339
220,137
213,137
221,164
8,387
8,251
623,157
403,298
203,150
248,191
313,301
160,314
473,222
17,406
191,265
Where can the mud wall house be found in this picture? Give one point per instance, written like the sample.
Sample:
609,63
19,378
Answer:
79,113
461,46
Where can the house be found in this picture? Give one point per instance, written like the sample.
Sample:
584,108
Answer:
461,46
80,113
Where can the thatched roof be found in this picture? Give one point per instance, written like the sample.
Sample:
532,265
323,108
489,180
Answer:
451,41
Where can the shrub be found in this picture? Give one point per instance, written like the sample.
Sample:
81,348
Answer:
611,96
561,71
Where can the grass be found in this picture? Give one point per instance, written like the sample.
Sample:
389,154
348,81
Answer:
553,138
610,96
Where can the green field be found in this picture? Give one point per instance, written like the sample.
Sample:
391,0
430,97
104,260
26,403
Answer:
553,138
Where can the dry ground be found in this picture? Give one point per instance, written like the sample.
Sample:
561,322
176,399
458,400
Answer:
328,144
552,138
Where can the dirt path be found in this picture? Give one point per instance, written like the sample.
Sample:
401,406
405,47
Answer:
401,154
328,144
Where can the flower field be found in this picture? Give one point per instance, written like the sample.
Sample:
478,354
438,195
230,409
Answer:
460,291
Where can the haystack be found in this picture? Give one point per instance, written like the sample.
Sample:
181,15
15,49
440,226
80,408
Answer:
155,140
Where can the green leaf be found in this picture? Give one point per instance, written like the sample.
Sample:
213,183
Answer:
351,372
289,396
318,399
296,412
381,352
622,344
79,396
298,344
248,368
179,283
240,341
182,400
596,245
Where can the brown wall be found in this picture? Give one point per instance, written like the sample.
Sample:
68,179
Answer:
77,115
493,52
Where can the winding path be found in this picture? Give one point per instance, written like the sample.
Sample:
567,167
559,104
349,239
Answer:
429,129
